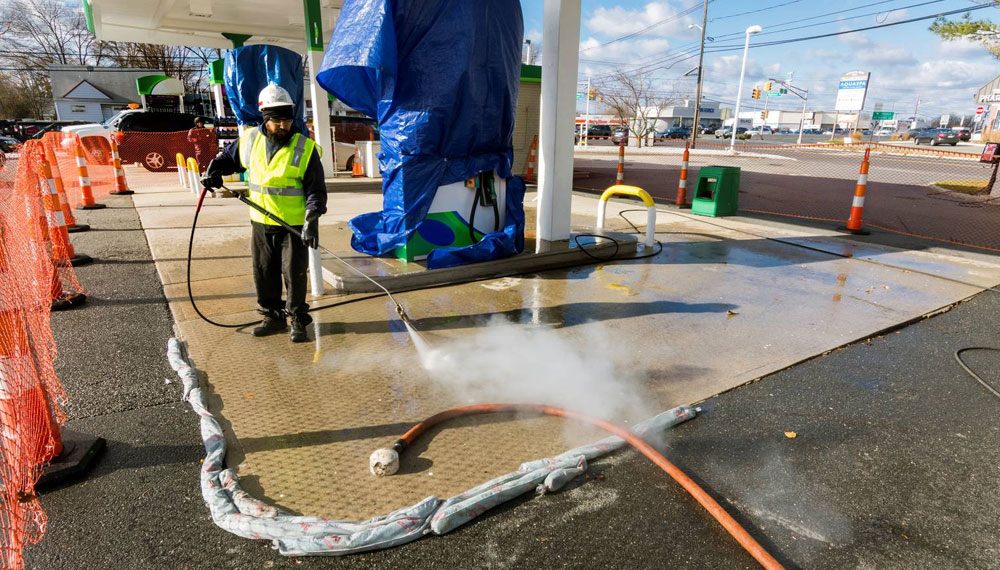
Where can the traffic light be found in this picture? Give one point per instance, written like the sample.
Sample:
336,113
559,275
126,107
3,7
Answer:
592,94
756,93
768,85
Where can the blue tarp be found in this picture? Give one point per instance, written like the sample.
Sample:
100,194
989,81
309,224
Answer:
441,77
249,69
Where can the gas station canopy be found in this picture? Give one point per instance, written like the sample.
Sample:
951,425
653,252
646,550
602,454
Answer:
203,22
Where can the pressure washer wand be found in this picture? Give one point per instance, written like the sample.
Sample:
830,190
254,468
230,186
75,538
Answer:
241,196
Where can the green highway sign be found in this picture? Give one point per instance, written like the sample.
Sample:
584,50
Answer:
774,93
579,96
783,91
883,115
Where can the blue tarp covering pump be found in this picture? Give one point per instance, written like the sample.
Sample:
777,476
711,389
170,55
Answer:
441,78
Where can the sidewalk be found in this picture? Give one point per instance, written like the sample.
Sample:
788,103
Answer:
306,417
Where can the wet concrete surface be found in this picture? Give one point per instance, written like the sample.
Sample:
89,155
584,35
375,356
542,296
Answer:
894,464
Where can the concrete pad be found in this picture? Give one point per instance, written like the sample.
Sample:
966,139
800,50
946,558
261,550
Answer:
726,302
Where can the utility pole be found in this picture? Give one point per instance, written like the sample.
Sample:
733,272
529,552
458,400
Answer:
695,127
913,125
586,121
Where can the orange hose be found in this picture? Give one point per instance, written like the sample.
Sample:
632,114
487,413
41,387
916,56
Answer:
725,519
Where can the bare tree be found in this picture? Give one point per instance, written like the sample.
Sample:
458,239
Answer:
35,34
631,97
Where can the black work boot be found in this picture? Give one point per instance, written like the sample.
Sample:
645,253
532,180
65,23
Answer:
298,333
272,323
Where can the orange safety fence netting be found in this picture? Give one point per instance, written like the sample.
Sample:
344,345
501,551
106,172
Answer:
31,396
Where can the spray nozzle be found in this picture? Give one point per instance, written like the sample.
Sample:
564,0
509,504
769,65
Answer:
402,314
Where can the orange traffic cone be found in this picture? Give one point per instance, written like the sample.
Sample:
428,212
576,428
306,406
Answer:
81,170
357,170
121,187
529,168
682,184
858,205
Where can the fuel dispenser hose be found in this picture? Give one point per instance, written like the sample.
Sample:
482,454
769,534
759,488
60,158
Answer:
711,505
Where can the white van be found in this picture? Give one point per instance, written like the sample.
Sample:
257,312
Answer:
885,132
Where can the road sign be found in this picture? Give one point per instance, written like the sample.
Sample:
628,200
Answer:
579,96
979,110
783,91
774,93
883,115
878,106
944,120
851,91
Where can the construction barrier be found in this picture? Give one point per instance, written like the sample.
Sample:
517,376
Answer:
235,511
71,225
31,398
529,167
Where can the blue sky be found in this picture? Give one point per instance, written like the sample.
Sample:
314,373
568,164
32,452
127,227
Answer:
906,61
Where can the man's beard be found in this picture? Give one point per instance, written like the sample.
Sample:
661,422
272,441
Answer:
280,139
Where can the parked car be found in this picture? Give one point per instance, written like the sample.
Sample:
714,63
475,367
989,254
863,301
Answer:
910,134
727,132
937,136
620,134
9,144
764,130
706,130
599,131
885,132
675,133
812,131
964,133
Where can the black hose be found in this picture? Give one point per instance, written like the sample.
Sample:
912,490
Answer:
958,357
194,305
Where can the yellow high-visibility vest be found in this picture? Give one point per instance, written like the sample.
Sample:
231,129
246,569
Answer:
276,184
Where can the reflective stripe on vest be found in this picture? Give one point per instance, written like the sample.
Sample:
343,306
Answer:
276,184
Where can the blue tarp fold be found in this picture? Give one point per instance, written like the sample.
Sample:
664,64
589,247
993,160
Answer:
441,78
249,69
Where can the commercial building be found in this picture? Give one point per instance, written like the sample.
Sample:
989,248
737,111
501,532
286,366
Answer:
988,122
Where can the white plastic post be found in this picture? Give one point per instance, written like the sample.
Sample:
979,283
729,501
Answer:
315,273
650,226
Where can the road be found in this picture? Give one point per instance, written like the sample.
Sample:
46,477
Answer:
819,184
776,140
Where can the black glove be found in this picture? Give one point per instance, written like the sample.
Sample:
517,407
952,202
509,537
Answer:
211,181
310,230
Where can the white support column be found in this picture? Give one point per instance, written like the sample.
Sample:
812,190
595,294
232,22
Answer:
321,118
560,57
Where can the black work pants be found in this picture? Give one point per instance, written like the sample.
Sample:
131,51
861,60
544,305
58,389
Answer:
279,254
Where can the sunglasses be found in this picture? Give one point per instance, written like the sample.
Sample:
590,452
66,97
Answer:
281,122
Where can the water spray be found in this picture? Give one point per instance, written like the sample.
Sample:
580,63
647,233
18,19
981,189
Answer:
242,198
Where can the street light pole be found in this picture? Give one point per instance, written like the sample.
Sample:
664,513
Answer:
739,91
695,127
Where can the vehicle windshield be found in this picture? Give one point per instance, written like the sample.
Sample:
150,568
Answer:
113,118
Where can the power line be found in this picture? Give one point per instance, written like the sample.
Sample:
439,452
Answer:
755,11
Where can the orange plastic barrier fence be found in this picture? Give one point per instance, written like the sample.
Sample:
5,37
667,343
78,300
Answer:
31,397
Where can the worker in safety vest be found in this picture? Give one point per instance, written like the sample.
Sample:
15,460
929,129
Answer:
285,177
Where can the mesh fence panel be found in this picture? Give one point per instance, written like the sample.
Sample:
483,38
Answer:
31,397
918,191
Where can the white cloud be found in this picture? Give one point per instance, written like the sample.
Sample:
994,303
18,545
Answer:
618,21
869,52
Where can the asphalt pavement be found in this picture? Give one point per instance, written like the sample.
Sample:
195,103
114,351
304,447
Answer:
880,455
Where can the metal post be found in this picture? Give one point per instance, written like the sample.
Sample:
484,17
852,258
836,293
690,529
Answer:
739,90
586,122
701,63
802,117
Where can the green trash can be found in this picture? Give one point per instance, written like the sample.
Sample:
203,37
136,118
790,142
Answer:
717,191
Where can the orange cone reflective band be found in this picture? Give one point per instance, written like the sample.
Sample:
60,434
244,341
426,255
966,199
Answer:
61,246
81,171
682,185
121,186
858,206
529,167
620,177
67,210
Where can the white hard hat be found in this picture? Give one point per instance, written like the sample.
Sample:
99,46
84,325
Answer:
273,96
